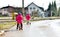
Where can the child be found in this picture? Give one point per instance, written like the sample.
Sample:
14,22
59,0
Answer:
28,18
19,19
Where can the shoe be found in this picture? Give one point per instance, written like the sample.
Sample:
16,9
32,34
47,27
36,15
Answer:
21,29
30,23
16,28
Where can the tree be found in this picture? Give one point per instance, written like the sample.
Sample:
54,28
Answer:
49,9
55,5
59,11
52,9
55,8
52,6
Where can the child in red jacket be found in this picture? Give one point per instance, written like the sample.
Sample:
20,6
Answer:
28,17
19,19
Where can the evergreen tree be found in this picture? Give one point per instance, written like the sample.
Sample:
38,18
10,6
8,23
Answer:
52,9
52,6
49,7
59,11
55,8
55,5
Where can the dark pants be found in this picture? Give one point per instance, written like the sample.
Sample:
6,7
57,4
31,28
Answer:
21,26
18,26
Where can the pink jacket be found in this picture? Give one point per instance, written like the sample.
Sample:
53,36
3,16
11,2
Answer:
19,18
28,17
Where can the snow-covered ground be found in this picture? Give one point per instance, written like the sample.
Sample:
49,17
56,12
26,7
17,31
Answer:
46,28
55,25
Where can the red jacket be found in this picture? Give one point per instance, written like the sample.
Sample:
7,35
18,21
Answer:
28,17
19,18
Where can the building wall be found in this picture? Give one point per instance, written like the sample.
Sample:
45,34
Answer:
0,11
32,8
5,12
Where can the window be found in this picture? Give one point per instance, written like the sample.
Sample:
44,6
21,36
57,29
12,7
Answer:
30,7
0,13
37,10
4,9
33,7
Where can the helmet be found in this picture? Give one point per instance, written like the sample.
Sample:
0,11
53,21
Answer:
19,12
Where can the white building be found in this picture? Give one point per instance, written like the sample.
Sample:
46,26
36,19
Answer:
33,7
6,11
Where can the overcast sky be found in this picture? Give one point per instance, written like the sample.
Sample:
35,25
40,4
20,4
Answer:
18,3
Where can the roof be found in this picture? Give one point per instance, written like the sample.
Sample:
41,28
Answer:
7,7
18,9
36,5
26,8
11,7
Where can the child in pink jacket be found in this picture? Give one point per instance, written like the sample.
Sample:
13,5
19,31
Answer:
28,17
19,19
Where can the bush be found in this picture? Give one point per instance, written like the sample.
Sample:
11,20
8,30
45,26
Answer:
5,15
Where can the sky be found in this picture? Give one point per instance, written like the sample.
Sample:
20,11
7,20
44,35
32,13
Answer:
18,3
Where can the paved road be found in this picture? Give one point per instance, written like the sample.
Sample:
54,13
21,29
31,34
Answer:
36,29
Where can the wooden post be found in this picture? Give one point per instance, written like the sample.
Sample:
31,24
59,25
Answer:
23,7
12,15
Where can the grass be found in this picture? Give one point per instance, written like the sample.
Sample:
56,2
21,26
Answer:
46,18
39,19
7,25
